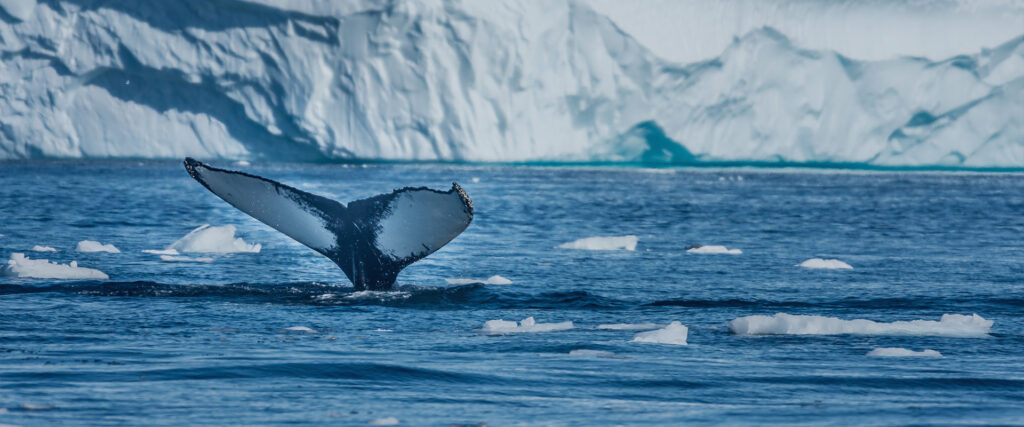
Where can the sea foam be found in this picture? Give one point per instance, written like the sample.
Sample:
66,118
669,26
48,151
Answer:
713,250
950,325
493,280
209,239
603,243
94,246
675,333
526,325
826,264
902,352
21,266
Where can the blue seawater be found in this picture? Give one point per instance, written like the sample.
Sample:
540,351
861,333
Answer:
174,343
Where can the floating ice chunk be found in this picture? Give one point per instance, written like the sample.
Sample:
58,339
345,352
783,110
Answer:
305,329
38,248
902,352
603,243
493,280
829,264
674,333
21,266
630,326
386,421
712,249
209,239
526,325
176,258
951,325
382,330
160,251
94,246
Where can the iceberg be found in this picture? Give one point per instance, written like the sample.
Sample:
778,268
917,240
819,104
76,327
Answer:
902,352
207,239
526,325
950,325
675,334
94,246
825,264
529,81
493,280
21,266
602,243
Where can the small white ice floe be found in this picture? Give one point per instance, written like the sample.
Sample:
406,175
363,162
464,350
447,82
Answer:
901,352
493,280
382,330
603,243
675,333
177,258
94,246
21,266
160,251
38,248
950,325
526,325
305,329
475,181
208,239
712,250
386,421
826,264
630,326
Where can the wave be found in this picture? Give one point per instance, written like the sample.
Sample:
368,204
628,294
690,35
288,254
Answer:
451,297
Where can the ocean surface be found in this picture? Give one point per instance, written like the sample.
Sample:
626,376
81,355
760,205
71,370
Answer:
170,342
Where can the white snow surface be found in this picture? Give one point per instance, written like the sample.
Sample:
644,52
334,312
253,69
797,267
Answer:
885,83
714,250
825,264
675,333
493,280
902,352
950,325
526,325
38,248
603,243
208,239
94,246
21,266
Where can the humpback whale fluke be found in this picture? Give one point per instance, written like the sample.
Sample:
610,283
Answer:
370,239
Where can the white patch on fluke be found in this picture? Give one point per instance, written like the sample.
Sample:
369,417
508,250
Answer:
493,280
826,264
275,206
714,250
94,246
207,239
603,243
420,221
675,334
901,352
951,325
526,325
38,248
21,266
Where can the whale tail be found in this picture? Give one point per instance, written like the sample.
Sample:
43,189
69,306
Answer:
372,239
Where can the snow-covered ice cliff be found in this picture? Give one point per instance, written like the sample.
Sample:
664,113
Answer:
525,80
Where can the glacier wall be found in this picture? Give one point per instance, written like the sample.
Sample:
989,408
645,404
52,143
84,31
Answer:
515,81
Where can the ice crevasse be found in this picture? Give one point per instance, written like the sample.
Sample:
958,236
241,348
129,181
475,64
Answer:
474,81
